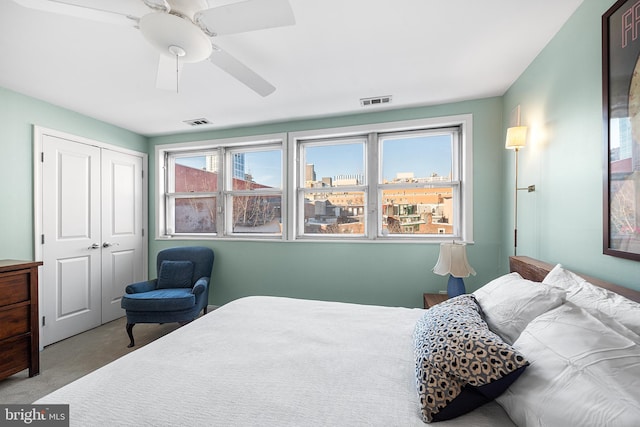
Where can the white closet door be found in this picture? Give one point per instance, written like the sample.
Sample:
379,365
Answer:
71,255
122,239
92,224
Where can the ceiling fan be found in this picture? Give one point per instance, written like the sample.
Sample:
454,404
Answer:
183,31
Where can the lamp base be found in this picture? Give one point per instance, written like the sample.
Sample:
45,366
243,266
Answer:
455,286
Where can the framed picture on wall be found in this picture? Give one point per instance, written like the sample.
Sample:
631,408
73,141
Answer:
621,109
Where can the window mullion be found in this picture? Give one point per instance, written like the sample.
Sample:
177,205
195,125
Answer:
169,218
373,216
224,212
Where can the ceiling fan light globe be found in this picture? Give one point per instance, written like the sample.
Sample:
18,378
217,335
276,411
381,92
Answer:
163,30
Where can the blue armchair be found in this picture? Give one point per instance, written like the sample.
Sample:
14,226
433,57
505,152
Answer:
177,295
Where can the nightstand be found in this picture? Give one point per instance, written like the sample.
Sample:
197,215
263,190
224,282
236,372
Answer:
432,299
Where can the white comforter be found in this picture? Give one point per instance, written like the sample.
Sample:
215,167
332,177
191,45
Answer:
266,361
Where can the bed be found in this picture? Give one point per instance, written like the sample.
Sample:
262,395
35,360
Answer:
271,361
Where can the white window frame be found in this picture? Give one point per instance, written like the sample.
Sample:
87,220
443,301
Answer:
170,197
463,154
223,228
302,190
454,183
293,172
230,193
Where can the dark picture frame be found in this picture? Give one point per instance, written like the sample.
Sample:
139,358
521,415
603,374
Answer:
621,122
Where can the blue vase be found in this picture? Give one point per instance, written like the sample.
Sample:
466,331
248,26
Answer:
455,286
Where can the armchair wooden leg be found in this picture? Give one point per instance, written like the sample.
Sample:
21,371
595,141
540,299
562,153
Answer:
204,310
130,333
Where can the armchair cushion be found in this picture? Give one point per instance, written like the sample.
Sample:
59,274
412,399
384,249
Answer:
164,300
175,274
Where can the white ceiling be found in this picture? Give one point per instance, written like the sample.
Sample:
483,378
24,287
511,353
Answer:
421,52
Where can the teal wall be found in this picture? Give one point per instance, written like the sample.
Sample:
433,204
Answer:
560,95
377,273
18,114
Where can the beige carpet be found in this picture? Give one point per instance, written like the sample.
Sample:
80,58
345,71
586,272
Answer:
70,359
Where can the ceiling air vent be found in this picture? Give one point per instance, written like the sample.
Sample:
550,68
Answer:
197,122
378,100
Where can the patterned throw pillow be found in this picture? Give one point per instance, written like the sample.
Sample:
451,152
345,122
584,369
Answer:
460,363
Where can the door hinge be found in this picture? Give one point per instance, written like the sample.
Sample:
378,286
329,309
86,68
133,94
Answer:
42,239
42,157
143,232
44,322
142,172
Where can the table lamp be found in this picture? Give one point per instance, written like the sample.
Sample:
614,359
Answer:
453,261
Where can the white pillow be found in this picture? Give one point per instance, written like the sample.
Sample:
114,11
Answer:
608,307
582,373
510,302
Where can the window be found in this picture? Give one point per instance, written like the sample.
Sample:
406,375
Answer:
333,193
418,183
192,198
399,181
230,189
403,181
254,191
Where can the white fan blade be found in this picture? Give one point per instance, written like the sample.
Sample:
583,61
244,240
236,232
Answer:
245,16
169,73
241,72
158,5
84,12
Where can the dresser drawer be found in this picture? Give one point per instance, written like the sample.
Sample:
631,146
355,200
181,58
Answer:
14,287
14,355
15,321
19,340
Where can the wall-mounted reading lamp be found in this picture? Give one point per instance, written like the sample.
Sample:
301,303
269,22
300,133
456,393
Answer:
516,139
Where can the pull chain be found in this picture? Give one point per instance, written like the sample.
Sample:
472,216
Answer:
177,51
177,75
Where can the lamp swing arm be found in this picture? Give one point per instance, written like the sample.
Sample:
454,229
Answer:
529,189
515,210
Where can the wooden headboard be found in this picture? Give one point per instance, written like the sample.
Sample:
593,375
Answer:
536,270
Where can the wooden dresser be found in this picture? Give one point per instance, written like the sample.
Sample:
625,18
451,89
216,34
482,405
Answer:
19,340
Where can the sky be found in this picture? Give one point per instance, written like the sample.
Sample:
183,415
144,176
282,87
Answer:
423,156
420,155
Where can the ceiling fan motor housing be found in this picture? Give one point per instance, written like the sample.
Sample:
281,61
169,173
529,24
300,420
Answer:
164,30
